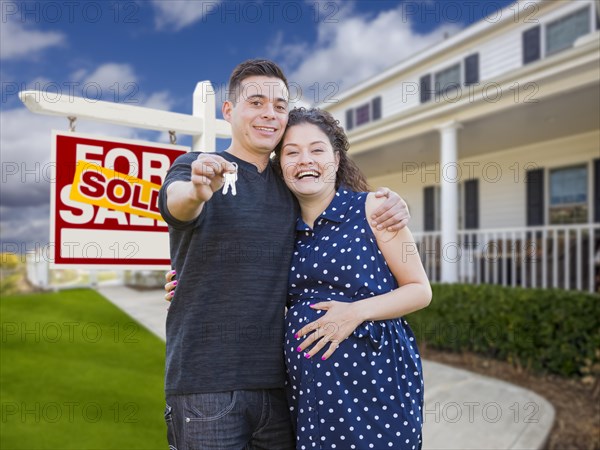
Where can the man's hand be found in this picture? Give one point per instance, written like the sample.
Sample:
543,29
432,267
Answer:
185,199
207,175
393,214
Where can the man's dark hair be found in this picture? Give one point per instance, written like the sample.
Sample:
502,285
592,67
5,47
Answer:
251,68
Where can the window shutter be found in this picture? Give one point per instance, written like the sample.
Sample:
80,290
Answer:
376,107
349,119
425,88
471,204
597,190
472,69
531,45
535,197
429,200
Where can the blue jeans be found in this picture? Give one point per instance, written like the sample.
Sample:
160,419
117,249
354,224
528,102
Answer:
234,420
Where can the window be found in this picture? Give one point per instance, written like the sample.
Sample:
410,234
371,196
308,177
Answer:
447,80
362,114
568,195
450,78
562,33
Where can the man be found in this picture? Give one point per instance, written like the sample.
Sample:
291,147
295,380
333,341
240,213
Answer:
224,367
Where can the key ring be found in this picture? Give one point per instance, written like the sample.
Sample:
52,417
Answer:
230,179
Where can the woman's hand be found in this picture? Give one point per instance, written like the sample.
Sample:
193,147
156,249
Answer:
339,322
170,285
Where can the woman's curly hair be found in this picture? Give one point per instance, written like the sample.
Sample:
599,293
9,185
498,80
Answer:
348,173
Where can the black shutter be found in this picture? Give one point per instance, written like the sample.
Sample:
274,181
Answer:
425,88
429,200
472,69
597,190
349,119
471,204
535,197
531,45
376,108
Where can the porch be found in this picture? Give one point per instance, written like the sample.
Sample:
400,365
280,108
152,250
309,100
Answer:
551,256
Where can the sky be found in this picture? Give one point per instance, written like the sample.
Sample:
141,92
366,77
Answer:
153,52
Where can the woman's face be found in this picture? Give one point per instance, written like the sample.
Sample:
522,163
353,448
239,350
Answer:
308,161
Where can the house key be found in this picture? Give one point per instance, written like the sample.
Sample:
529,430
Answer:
230,179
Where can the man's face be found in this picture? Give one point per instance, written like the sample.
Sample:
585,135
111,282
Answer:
259,116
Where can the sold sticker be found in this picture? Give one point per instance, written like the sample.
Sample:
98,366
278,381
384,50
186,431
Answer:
100,186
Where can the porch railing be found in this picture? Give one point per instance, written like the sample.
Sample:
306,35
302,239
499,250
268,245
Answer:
554,256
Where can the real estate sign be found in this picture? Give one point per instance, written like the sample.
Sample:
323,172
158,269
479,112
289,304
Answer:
104,202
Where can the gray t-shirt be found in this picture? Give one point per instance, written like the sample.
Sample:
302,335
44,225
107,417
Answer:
225,323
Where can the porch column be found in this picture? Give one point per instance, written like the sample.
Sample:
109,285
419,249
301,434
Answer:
449,179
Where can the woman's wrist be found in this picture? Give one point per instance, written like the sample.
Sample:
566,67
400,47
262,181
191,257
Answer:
361,311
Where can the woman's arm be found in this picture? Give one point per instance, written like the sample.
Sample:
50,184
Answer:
400,252
414,293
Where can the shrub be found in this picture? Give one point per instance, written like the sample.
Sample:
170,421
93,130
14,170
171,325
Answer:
545,330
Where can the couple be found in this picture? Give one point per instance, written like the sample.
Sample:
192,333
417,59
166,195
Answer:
354,377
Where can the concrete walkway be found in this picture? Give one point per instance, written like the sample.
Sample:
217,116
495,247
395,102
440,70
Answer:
463,410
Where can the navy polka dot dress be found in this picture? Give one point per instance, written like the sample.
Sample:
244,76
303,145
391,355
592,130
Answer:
369,393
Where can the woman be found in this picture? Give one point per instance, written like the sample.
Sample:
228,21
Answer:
354,373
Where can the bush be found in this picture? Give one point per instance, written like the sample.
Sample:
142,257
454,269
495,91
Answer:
545,330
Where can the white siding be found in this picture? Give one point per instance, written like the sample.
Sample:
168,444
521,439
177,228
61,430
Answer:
499,53
402,95
502,189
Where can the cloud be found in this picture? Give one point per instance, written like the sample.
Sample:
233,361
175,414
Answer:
24,229
353,48
178,14
20,42
110,77
25,149
159,100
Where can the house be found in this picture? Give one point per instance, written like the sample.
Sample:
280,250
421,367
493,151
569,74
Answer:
493,138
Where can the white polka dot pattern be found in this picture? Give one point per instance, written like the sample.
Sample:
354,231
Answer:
369,393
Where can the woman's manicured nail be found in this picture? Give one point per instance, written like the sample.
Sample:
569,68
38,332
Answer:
172,272
323,358
174,283
313,305
296,336
306,355
299,349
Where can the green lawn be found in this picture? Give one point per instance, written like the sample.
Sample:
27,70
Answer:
77,373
